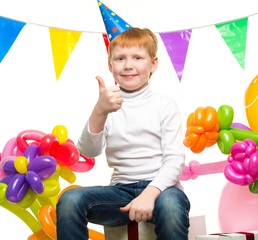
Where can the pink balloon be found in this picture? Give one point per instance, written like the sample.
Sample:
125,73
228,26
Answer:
83,165
237,209
2,174
196,169
11,149
243,163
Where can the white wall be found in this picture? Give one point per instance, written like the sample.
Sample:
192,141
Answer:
31,98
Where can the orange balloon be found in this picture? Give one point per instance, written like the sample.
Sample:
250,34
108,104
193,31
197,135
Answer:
210,119
47,220
39,235
191,139
200,145
199,116
202,129
65,189
94,235
251,104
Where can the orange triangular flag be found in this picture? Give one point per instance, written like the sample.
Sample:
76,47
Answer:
63,42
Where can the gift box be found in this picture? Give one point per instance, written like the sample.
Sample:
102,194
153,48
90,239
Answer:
145,231
248,235
133,231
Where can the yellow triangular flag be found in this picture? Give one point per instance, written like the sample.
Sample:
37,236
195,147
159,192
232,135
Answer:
63,43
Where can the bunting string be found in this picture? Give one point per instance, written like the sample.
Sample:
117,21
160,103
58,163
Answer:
63,41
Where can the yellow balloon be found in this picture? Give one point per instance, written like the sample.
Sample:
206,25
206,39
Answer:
3,188
51,187
20,212
28,199
251,104
67,174
61,133
20,164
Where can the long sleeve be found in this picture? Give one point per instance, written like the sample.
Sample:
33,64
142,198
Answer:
173,159
89,144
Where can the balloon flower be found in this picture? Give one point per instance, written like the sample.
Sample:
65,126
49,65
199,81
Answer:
242,167
30,167
27,171
206,126
202,129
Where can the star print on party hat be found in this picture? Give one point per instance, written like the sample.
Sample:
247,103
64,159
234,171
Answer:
113,23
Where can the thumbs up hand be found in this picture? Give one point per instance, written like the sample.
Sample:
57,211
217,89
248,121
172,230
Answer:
110,98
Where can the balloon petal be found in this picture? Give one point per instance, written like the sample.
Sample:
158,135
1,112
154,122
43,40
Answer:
44,166
35,182
31,152
17,188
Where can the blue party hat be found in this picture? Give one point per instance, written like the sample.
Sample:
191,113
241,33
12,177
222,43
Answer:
113,23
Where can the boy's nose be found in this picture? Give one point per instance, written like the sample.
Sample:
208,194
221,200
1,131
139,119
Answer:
128,64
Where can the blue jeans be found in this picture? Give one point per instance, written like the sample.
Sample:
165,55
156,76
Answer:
100,205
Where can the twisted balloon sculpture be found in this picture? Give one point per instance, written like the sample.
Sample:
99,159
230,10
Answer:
31,165
206,127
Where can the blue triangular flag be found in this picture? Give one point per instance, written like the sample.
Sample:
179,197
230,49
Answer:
9,30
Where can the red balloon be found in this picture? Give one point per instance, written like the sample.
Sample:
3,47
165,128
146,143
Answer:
28,135
66,154
46,142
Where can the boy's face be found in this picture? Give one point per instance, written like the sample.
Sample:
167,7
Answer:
131,67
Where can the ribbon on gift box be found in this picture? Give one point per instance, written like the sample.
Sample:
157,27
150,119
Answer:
132,231
249,236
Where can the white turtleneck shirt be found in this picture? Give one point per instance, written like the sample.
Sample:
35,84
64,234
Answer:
143,140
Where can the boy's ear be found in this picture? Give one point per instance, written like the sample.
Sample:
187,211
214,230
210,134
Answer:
155,62
110,66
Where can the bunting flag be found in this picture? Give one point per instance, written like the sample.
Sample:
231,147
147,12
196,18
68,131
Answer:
63,43
176,44
234,34
9,30
106,41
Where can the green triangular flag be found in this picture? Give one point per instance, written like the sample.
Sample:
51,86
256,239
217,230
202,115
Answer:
234,34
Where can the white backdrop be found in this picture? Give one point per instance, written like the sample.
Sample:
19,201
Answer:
32,98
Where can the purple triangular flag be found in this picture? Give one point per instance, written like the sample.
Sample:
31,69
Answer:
176,44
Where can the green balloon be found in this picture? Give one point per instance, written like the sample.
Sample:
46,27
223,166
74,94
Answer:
253,187
225,141
225,116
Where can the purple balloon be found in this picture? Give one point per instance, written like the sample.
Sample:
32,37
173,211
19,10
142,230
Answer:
9,167
35,182
7,179
240,126
17,188
31,152
44,166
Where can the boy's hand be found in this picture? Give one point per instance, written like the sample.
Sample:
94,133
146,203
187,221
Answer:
140,209
110,98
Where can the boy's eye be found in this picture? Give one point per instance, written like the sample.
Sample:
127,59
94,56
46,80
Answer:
120,58
137,58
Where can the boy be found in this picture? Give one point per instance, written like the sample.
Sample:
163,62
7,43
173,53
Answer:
142,136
